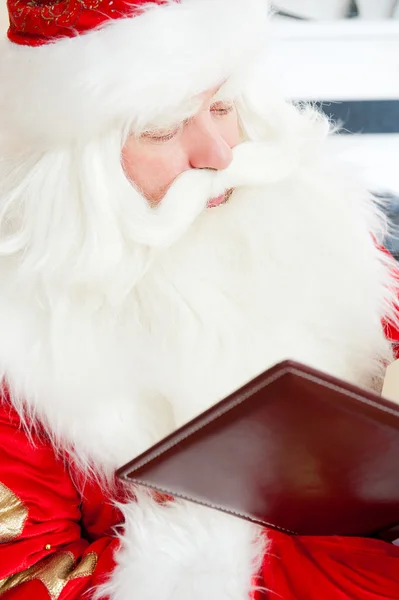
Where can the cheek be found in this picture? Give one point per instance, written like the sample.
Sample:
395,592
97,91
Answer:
152,168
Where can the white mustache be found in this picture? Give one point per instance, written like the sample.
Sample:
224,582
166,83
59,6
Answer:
253,164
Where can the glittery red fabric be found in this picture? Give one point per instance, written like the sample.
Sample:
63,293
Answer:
38,22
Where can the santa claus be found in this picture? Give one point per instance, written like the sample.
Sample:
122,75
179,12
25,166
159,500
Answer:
169,228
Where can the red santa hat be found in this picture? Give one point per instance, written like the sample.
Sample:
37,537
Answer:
77,67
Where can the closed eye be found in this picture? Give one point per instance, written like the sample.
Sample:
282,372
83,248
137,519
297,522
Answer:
161,135
221,108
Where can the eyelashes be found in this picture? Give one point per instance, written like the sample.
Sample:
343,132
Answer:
161,135
218,109
222,108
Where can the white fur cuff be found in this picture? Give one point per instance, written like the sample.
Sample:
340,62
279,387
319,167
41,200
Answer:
181,551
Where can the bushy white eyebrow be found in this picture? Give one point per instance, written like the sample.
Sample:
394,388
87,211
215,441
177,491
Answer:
171,118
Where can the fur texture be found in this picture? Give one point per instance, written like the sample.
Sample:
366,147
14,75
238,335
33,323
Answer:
120,322
112,343
95,311
115,76
182,551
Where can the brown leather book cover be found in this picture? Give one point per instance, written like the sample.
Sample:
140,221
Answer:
294,449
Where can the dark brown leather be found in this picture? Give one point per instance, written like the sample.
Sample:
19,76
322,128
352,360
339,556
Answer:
294,450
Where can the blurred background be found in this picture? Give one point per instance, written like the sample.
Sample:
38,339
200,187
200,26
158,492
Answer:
344,55
3,15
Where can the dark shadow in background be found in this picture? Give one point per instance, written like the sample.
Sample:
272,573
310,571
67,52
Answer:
364,116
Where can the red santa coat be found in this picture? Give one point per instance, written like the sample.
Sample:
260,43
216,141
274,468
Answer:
58,541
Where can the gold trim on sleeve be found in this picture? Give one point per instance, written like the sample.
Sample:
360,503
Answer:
54,572
13,514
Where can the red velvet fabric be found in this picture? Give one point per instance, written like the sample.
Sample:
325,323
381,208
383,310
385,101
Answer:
38,22
63,515
331,568
60,517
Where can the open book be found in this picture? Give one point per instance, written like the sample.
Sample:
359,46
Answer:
294,449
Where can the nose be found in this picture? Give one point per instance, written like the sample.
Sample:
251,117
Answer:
207,147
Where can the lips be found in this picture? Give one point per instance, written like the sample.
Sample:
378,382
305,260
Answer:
222,199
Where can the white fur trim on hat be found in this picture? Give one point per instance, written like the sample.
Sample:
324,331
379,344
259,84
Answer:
129,72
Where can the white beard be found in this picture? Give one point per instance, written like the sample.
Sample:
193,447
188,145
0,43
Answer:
112,356
286,269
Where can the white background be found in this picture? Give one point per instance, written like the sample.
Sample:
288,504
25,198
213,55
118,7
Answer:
3,16
345,60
